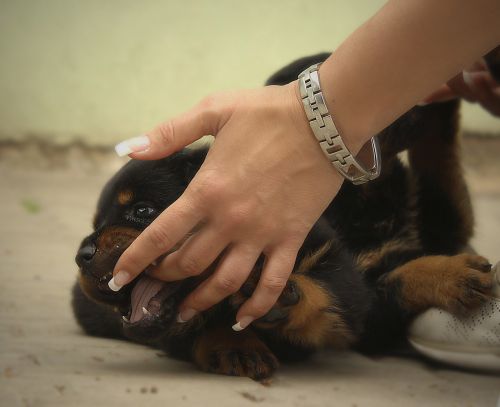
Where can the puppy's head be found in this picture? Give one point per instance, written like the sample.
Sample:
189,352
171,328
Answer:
129,202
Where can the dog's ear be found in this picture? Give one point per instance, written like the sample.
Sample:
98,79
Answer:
290,72
193,158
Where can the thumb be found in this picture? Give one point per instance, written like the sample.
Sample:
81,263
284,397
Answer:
174,134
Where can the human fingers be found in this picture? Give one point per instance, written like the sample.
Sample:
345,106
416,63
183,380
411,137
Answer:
486,91
158,238
195,255
461,85
455,87
172,135
232,271
442,94
278,267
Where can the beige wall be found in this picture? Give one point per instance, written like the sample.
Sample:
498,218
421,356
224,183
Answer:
104,70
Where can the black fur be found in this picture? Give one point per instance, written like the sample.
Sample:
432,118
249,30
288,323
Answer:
403,205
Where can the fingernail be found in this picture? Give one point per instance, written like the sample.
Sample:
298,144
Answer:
242,324
133,145
468,80
186,315
422,103
118,281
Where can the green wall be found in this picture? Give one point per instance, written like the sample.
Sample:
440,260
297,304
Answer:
101,71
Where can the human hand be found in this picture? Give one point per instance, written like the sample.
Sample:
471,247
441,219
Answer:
263,185
474,85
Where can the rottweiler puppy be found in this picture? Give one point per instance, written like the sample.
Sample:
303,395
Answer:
380,254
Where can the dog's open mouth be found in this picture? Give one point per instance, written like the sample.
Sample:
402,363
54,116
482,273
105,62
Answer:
149,301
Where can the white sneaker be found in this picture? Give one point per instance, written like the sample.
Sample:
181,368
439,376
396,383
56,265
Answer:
470,342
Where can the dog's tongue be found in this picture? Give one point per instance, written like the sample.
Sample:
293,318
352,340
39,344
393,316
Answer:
145,289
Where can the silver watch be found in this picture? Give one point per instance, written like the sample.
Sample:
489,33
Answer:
326,133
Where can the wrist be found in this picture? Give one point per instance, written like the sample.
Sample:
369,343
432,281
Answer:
310,144
355,131
333,145
354,137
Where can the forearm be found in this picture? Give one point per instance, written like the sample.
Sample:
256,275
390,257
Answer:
400,56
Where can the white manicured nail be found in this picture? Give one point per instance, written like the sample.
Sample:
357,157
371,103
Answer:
113,285
118,281
468,80
242,324
186,315
133,145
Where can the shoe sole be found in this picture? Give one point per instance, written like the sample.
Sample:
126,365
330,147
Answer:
486,359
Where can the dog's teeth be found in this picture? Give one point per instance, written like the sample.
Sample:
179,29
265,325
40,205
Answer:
145,311
125,318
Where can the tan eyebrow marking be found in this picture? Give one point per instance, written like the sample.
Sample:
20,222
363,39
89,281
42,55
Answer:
125,196
312,258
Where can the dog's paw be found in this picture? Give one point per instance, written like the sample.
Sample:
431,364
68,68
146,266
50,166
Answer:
223,351
466,284
257,364
226,352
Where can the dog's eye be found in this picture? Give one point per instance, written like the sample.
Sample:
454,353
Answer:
144,212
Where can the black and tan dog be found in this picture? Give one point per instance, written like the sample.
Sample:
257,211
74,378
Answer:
380,254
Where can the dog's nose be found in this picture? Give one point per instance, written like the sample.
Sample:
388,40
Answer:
85,253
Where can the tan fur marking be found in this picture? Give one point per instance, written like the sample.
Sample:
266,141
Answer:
371,258
125,197
312,258
313,320
407,240
453,283
89,288
86,285
113,236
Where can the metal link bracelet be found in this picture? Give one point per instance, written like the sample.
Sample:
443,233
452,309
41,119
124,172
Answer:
326,133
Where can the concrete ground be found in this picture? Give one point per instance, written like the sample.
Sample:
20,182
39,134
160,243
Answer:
48,198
